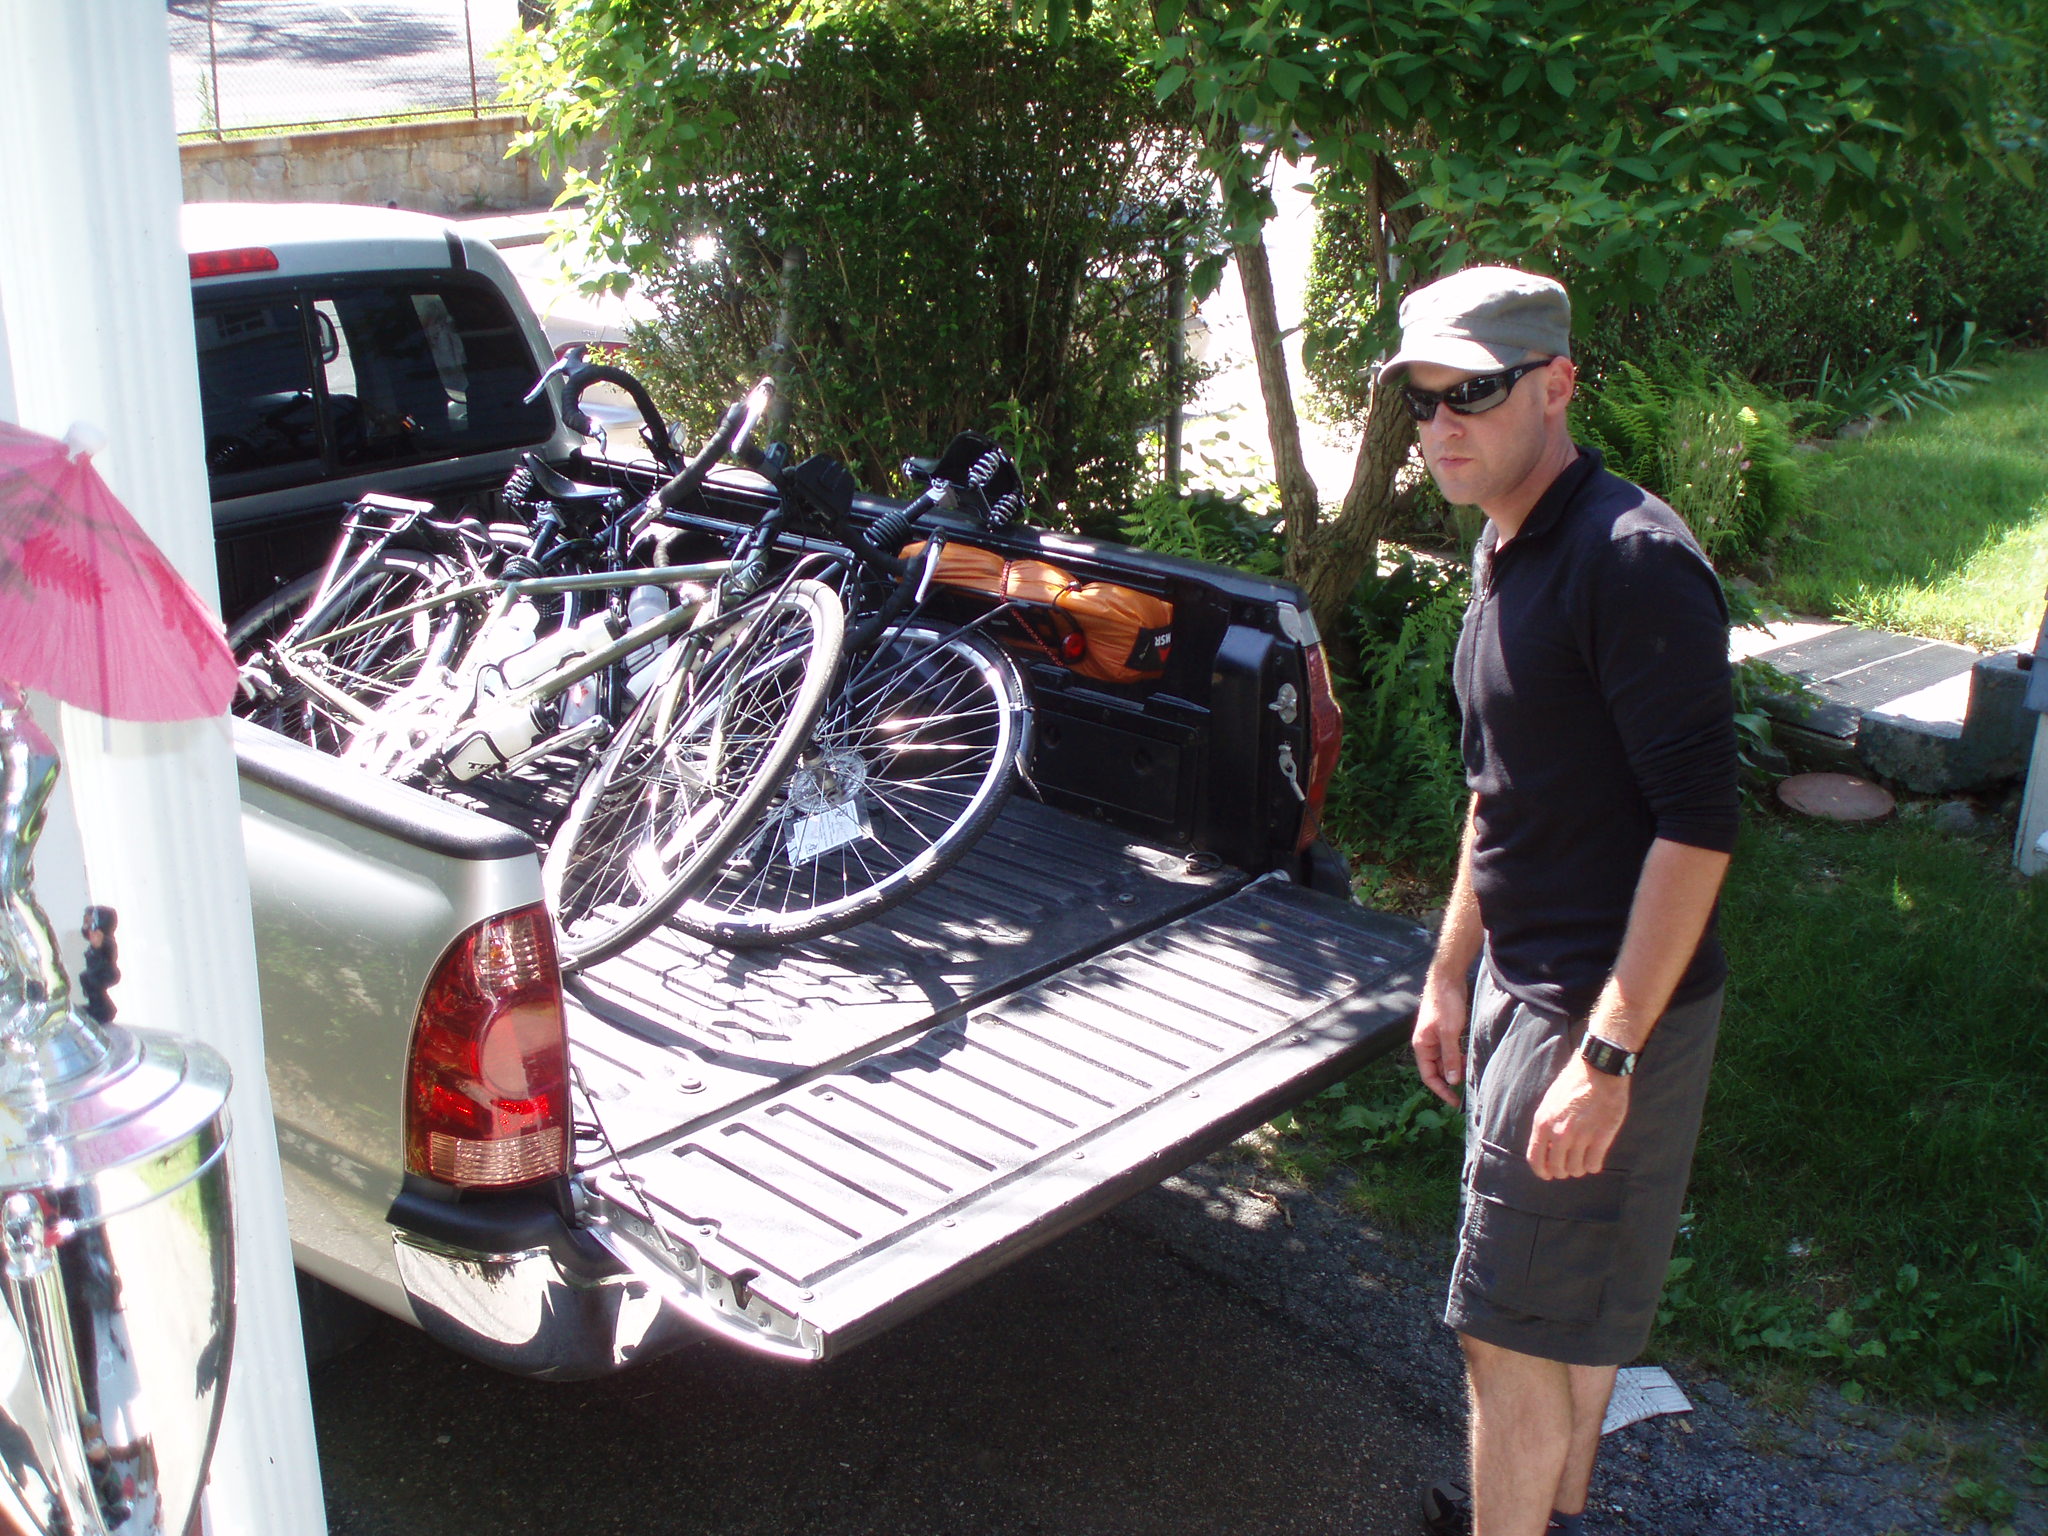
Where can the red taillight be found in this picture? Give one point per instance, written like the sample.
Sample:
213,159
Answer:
487,1088
250,258
1073,646
1325,740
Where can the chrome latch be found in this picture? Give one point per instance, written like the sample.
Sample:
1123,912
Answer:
730,1304
1290,774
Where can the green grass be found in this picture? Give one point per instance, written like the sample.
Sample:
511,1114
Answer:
1937,526
1870,1200
1876,1151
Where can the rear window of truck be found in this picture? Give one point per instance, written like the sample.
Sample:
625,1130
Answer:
314,381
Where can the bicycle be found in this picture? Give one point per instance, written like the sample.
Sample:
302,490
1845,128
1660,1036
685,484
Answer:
706,727
926,731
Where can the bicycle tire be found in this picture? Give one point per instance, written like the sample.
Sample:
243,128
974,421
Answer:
919,750
369,666
650,822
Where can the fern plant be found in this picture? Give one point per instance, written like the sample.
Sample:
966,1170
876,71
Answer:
1205,525
1719,450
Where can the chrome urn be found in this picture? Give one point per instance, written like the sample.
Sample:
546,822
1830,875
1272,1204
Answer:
116,1247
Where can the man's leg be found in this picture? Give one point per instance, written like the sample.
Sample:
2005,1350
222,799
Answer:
1522,1435
1591,1386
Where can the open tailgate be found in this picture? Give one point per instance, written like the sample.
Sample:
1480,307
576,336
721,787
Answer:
805,1220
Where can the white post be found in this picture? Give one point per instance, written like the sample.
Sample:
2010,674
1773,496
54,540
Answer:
2027,849
98,312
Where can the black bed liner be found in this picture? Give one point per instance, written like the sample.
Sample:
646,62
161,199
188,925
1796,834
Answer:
799,1146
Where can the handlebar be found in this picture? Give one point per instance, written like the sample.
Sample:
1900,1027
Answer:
731,436
577,374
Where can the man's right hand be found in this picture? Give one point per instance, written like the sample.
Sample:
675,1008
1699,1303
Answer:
1438,1041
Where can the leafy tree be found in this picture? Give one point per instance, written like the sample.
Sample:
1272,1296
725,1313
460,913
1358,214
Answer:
921,217
1622,146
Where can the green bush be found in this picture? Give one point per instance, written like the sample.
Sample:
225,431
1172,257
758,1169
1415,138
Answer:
1397,801
984,222
1855,299
1853,307
1342,331
1718,450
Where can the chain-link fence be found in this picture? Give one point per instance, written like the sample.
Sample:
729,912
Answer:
238,65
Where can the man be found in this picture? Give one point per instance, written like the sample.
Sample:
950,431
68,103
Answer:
1599,746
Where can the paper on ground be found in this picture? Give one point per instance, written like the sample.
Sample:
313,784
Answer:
1642,1392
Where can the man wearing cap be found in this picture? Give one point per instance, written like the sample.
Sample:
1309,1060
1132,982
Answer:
1578,942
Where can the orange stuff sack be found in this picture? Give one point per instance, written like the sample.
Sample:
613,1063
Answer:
1033,581
1112,633
1129,633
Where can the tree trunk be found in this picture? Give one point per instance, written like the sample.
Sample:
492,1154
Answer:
1327,558
1340,552
1298,502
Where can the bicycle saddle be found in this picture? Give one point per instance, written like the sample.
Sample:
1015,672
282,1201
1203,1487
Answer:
567,493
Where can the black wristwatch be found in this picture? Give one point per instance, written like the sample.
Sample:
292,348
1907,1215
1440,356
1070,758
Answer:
1606,1056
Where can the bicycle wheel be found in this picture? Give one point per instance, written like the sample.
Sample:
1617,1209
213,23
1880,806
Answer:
913,759
690,770
367,666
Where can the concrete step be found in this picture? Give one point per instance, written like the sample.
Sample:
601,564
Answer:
1928,715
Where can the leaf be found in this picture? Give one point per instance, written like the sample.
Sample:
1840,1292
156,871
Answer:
1744,284
1390,94
1653,266
1859,157
1558,71
1771,107
1169,81
1287,78
1517,76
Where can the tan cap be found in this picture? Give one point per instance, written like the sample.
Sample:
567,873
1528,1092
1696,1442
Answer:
1483,318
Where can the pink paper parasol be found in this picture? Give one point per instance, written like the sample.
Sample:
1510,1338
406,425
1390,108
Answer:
90,610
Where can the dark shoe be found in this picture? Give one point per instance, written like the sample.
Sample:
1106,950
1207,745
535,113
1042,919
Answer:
1447,1509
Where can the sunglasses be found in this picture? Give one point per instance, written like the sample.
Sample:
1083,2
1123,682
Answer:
1470,397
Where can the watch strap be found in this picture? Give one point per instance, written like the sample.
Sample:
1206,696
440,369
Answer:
1605,1056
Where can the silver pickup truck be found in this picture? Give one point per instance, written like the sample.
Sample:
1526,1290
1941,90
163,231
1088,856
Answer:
1150,954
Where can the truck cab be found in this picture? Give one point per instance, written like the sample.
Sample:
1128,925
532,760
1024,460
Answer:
343,350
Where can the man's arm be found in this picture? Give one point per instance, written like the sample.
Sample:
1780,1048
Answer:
1446,995
1583,1112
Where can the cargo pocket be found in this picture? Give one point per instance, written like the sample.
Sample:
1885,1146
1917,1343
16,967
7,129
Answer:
1543,1247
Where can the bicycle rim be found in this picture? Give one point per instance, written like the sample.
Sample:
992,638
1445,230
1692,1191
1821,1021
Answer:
368,666
689,772
912,759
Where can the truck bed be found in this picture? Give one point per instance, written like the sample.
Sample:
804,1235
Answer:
798,1146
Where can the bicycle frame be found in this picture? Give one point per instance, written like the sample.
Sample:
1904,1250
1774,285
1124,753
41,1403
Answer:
436,683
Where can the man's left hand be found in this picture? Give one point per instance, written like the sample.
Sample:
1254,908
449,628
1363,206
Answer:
1577,1122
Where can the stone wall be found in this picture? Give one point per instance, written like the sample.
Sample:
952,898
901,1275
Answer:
446,167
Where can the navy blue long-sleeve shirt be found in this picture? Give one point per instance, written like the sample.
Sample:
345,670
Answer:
1592,672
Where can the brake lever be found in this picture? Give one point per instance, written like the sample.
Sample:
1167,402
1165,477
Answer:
572,357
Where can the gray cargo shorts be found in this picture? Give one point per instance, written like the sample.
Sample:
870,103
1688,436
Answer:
1572,1269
